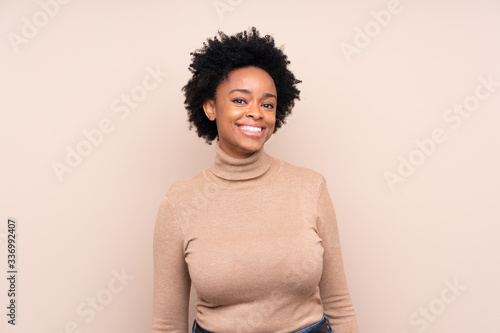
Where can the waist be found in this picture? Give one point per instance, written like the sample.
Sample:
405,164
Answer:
322,326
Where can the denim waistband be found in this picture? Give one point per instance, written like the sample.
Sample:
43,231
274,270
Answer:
315,326
310,328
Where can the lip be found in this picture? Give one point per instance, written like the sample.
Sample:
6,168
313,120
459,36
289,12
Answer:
254,134
250,124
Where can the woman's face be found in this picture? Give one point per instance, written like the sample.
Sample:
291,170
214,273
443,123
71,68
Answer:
244,110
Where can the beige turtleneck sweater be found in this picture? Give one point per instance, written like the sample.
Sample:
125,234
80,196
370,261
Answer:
258,239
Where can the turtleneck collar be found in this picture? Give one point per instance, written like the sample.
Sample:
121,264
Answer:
232,168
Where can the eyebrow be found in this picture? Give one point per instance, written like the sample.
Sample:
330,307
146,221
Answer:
246,91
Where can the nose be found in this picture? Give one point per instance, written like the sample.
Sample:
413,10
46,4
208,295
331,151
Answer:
254,111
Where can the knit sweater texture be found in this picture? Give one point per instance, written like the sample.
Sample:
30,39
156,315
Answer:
258,239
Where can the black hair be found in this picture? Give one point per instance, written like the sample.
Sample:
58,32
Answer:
212,63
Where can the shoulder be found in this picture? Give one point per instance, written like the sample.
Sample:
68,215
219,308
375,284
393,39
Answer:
181,190
301,175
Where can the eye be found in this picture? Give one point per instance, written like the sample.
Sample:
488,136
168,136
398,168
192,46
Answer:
268,106
238,101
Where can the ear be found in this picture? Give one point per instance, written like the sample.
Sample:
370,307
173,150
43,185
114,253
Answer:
209,108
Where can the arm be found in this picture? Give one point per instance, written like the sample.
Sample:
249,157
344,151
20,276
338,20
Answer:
171,286
333,285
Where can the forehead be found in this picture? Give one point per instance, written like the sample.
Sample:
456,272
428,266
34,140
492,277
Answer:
251,78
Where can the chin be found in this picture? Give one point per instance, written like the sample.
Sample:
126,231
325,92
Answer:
250,147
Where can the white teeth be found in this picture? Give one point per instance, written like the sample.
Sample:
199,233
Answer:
251,129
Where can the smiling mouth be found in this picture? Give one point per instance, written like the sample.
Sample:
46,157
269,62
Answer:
253,131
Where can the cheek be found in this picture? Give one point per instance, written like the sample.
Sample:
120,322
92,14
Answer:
234,114
271,122
272,119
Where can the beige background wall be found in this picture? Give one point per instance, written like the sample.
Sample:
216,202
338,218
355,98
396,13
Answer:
413,177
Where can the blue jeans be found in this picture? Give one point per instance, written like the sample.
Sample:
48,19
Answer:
304,330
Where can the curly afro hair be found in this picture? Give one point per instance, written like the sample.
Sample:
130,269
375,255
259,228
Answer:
211,66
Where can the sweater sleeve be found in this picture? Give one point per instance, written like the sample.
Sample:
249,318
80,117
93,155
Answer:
171,285
334,292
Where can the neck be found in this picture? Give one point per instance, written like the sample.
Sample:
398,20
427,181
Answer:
232,168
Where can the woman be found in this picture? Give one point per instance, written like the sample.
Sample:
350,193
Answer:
256,236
